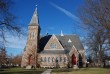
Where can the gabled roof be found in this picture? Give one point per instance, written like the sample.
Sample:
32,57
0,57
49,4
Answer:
64,42
34,19
75,40
53,39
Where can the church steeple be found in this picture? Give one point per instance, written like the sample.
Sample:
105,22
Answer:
32,44
34,19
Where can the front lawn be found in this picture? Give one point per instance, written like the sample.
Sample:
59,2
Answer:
57,71
21,71
82,71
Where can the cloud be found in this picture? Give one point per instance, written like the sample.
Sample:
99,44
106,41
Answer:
66,12
16,42
76,20
13,41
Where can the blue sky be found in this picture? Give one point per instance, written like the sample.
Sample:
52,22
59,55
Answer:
54,16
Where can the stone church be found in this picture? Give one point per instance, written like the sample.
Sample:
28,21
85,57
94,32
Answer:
51,50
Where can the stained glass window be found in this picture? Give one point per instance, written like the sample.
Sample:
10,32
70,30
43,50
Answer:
53,45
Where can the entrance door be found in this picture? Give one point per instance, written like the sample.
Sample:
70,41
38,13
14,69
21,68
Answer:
74,60
30,60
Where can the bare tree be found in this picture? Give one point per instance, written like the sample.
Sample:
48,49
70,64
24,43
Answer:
95,14
7,21
3,56
17,60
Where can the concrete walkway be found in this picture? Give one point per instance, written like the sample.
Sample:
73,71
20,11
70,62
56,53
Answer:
48,71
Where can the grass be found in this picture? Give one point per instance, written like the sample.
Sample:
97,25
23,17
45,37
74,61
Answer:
21,71
82,71
57,71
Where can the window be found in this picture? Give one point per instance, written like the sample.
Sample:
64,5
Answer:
49,59
52,59
60,59
41,59
31,35
64,59
45,59
53,45
56,59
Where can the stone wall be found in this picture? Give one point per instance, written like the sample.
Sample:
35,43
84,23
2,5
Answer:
50,60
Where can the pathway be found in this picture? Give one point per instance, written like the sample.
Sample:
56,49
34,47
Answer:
48,71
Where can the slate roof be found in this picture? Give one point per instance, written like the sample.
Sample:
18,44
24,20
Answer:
43,41
34,19
64,42
75,41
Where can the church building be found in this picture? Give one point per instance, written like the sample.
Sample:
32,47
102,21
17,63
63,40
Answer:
51,51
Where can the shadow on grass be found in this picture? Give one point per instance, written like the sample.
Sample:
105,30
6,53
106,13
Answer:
21,71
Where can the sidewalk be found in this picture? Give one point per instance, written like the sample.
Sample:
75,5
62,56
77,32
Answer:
48,71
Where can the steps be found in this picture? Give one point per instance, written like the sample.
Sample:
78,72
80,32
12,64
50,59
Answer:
29,67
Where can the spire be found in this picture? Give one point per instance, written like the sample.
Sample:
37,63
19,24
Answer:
34,19
62,33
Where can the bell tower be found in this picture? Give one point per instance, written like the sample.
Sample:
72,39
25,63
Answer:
30,54
33,31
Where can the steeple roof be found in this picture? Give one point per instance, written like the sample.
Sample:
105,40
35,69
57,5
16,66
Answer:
34,19
62,33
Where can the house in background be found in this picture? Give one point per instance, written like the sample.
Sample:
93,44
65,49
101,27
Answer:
51,50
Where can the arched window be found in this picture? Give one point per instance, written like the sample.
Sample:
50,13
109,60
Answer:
52,59
56,59
31,35
64,59
41,59
60,59
44,59
48,59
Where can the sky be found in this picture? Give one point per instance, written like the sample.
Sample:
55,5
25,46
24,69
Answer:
54,16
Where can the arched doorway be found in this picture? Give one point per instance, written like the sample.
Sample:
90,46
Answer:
30,60
74,61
